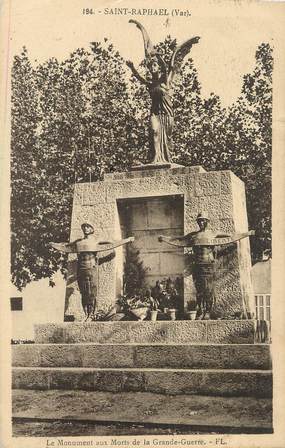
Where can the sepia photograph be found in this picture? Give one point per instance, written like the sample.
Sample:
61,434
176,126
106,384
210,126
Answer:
141,308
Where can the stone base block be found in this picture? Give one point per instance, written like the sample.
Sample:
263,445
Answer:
257,383
114,207
168,332
143,356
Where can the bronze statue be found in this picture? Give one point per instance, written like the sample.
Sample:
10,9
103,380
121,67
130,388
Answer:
204,243
161,116
87,249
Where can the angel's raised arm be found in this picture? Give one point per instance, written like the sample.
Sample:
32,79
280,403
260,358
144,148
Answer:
161,63
136,73
62,247
180,241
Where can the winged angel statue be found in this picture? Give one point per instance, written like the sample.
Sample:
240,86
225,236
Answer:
87,250
158,85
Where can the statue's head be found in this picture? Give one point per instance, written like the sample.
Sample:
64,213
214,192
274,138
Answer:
154,65
87,228
202,220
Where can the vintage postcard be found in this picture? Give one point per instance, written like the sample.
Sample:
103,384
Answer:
141,281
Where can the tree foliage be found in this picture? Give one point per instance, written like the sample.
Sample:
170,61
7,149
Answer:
68,126
76,119
250,122
134,273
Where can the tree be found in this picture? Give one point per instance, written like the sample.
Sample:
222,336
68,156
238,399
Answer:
72,121
66,117
25,178
249,144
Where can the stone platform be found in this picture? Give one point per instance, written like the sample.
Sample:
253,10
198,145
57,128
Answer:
170,357
219,382
145,365
147,332
131,356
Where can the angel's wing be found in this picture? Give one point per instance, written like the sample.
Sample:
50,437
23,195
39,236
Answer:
109,245
148,47
183,241
179,54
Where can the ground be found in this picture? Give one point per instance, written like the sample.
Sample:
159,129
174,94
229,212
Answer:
70,413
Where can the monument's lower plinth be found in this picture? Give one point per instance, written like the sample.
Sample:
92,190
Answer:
210,360
147,332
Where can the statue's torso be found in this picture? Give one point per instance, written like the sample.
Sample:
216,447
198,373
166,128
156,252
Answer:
203,253
161,101
85,245
86,257
86,260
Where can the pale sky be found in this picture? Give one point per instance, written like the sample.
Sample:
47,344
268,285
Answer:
230,33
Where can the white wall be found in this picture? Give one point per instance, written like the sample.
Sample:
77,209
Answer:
41,304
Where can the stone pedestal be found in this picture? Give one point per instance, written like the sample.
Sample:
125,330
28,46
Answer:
149,202
186,332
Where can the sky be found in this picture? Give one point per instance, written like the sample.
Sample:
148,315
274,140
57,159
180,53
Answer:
230,33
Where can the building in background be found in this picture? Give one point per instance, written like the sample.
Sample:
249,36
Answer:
37,303
261,281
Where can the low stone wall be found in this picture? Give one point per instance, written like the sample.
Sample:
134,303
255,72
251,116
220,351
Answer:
168,332
204,382
224,356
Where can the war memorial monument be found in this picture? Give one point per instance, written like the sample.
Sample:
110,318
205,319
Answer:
189,227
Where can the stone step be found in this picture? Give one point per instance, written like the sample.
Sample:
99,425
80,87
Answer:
166,381
144,408
199,356
140,332
100,428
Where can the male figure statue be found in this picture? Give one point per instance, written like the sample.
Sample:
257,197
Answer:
204,243
87,249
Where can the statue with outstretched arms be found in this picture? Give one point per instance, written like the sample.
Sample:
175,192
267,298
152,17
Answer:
158,85
204,243
87,250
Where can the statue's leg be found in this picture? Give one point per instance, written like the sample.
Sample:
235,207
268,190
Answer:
156,138
167,144
209,290
204,284
93,289
199,314
81,285
86,279
208,306
151,149
89,310
199,292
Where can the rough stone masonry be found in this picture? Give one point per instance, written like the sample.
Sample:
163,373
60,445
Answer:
220,193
